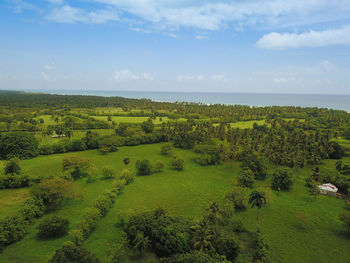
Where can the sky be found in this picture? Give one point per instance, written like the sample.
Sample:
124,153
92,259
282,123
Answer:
253,46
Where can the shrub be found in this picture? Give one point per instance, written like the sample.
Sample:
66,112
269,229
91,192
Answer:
108,144
282,179
87,225
103,204
12,229
158,166
147,126
246,178
127,176
18,144
32,208
12,166
53,226
256,164
166,149
144,167
345,219
262,253
177,163
78,145
237,196
204,159
228,246
126,160
53,190
14,181
70,252
76,166
108,172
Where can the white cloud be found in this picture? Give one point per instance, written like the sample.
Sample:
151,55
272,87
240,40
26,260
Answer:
328,37
219,77
56,2
182,78
50,66
201,37
68,14
45,76
127,75
209,14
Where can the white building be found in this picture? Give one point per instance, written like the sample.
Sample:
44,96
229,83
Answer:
328,189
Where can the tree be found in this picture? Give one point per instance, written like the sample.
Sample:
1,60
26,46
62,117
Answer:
147,126
144,167
203,236
346,134
282,179
257,199
177,163
158,166
246,178
256,165
141,242
71,253
108,144
345,219
12,167
18,144
53,226
76,166
53,190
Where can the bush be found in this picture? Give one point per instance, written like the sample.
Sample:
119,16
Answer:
14,181
282,179
76,166
12,229
158,166
147,126
73,253
78,145
127,176
87,225
108,172
53,190
144,167
177,163
262,253
103,203
12,167
246,178
18,144
345,219
237,196
32,208
53,226
227,246
108,144
166,149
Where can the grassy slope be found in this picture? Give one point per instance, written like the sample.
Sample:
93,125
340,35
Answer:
299,228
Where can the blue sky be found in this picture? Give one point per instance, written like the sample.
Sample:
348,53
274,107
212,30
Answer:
265,46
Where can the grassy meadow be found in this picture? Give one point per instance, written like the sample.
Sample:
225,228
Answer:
299,227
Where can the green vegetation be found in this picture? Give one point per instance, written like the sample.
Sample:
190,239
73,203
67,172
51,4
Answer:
226,183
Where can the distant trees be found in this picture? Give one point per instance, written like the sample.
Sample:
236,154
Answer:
282,179
257,199
147,126
18,144
346,134
53,226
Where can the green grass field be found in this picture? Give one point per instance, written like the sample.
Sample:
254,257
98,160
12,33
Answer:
298,227
131,119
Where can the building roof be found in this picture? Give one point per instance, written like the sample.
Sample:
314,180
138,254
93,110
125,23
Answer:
328,187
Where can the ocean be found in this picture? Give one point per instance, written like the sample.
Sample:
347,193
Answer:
339,102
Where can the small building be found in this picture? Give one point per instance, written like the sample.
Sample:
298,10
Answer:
328,189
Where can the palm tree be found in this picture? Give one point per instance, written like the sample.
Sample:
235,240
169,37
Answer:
203,234
257,199
141,242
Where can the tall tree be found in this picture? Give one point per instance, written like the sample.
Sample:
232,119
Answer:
257,199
